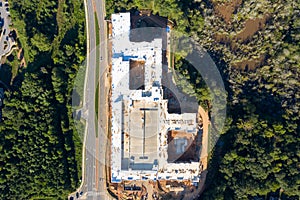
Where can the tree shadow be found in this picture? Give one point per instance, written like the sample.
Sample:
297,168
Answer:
5,74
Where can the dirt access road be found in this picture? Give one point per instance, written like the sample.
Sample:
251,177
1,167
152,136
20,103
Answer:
204,155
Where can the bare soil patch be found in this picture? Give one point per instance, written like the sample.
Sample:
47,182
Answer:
227,9
251,27
189,151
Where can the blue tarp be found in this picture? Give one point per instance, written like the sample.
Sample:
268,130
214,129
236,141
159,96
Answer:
115,180
118,55
124,57
127,58
168,29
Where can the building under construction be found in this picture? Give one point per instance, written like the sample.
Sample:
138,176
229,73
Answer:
147,141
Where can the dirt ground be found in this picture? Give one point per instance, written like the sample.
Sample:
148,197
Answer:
227,9
251,26
190,150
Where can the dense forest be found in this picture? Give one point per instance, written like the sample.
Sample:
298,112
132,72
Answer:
39,146
255,45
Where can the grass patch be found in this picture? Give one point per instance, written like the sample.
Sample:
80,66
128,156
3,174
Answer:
79,83
97,108
97,30
78,138
97,47
19,26
97,72
97,99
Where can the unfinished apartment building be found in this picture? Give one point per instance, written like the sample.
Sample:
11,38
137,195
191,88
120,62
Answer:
148,142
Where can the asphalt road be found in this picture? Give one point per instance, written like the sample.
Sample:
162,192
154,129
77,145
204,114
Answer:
94,185
103,94
90,87
5,29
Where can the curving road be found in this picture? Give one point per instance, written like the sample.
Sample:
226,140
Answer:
5,40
